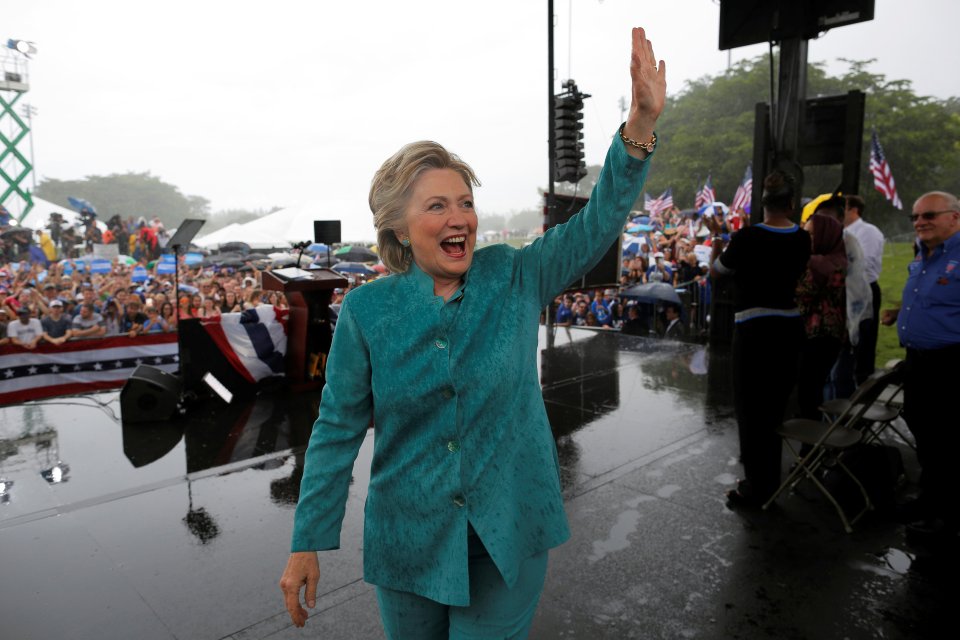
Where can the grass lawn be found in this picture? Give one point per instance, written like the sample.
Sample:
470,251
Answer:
896,257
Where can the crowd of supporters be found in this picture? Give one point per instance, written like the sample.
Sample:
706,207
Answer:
54,297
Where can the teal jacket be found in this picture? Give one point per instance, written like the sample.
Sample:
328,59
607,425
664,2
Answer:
460,430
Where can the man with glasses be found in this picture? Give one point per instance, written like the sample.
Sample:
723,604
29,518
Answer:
928,324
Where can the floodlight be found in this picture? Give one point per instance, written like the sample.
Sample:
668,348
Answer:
22,46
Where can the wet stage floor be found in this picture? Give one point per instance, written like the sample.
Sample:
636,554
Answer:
182,530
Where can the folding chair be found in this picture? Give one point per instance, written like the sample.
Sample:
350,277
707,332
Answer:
828,441
878,417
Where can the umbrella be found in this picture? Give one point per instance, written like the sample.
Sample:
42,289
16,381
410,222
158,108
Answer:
811,206
192,258
13,231
284,261
81,205
656,291
354,267
122,259
253,257
356,253
711,208
632,245
318,247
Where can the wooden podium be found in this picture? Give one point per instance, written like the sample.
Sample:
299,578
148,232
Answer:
308,324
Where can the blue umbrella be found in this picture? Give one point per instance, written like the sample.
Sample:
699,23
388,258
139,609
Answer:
354,267
80,204
318,247
139,274
711,208
192,258
632,246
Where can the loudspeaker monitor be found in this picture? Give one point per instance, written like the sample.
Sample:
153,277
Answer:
150,395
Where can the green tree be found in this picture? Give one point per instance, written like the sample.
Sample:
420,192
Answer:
707,129
126,195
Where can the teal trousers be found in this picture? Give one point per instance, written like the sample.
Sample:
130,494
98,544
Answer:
495,611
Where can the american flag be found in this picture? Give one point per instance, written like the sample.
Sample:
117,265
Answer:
705,195
664,202
648,203
744,191
882,177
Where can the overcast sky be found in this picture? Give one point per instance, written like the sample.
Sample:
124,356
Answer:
256,104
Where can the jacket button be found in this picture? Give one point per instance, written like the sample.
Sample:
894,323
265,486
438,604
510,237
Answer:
459,500
441,343
447,392
453,446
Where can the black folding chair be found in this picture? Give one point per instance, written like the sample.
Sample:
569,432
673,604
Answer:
828,440
878,417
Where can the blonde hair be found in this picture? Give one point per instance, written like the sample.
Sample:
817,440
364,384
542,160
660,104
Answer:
390,190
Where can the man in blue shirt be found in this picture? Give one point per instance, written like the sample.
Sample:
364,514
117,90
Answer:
565,312
928,324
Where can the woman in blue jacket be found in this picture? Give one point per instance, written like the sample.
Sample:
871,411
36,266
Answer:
464,498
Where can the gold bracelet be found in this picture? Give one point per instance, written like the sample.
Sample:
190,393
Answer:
646,146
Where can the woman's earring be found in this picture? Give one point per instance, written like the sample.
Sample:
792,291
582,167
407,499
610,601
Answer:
405,242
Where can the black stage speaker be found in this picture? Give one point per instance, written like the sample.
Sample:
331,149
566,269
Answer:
746,22
607,272
326,231
150,395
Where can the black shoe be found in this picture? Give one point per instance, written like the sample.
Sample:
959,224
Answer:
743,497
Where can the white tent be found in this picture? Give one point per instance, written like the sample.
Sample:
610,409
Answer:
40,214
218,237
295,224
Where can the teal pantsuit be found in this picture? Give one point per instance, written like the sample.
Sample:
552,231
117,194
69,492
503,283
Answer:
460,430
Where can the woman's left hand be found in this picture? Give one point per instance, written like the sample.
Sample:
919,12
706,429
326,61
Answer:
648,92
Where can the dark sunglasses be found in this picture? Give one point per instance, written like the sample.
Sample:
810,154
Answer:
928,215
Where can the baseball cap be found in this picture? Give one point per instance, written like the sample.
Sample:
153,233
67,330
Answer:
56,303
658,254
23,311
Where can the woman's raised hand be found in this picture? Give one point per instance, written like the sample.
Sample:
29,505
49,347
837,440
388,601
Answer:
649,90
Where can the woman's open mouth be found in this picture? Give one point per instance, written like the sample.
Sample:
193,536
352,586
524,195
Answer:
455,246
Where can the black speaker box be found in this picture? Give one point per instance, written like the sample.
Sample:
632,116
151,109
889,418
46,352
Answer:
150,395
607,272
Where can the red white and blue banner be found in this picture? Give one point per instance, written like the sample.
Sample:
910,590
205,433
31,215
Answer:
254,341
80,366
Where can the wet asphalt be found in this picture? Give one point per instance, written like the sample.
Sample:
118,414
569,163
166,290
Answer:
181,530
